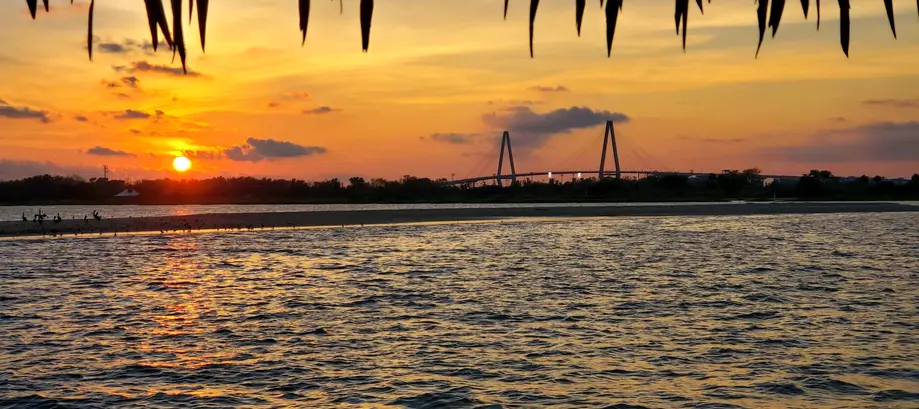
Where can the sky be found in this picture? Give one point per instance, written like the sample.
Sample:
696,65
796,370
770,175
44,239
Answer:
442,81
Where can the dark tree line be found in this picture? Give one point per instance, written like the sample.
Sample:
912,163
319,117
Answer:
735,184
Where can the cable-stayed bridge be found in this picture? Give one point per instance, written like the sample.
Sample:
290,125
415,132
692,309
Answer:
648,166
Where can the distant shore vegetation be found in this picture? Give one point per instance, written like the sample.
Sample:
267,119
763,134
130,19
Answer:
727,185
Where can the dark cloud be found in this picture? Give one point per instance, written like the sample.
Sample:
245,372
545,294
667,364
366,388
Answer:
715,140
13,112
296,95
838,119
273,104
880,141
894,103
256,150
103,151
81,118
134,131
132,114
532,129
143,66
321,110
452,138
18,169
125,47
514,102
543,88
131,82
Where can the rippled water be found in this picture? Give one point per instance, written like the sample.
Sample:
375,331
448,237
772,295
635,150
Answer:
717,312
14,213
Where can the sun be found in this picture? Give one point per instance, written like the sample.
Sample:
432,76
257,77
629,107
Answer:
181,163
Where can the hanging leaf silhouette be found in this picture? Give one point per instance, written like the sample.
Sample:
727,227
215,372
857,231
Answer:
304,18
761,18
699,2
844,25
682,13
33,7
775,15
47,6
89,30
818,15
366,18
156,16
889,5
202,20
505,8
534,5
613,7
805,5
178,35
191,10
579,6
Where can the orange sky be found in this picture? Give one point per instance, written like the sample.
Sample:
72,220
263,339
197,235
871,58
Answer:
443,79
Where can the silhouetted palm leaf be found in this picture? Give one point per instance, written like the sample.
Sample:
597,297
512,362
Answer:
889,5
89,30
844,25
761,9
775,15
47,6
158,23
178,35
304,18
534,5
613,7
33,7
202,20
366,18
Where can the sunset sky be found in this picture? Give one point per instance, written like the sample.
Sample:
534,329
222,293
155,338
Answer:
441,82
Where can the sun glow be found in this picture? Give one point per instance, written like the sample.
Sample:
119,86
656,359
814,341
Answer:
181,164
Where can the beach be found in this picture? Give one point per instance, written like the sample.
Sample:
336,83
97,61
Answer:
245,221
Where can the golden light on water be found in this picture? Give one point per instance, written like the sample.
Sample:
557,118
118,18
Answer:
181,164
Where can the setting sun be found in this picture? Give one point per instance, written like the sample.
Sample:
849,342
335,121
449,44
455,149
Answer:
181,164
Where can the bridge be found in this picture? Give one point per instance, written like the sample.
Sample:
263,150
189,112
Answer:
609,144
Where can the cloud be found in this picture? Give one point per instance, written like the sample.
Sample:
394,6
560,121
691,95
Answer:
256,150
894,103
838,119
18,169
296,95
102,151
532,129
12,112
514,102
133,114
131,81
320,111
879,141
143,66
80,118
715,140
543,88
452,138
273,104
125,47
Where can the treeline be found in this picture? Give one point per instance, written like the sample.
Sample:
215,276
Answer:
746,184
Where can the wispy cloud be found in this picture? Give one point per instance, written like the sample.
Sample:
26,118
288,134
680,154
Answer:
146,67
453,138
320,110
894,103
14,112
103,151
543,88
880,141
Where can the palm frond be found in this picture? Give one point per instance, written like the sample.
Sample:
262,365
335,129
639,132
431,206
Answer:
766,17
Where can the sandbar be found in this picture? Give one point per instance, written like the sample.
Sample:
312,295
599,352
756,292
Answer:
243,221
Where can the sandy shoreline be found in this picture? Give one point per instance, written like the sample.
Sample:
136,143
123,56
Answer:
338,218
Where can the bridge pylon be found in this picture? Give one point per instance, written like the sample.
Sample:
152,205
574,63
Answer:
506,141
609,136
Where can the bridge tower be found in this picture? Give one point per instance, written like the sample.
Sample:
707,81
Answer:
506,141
609,135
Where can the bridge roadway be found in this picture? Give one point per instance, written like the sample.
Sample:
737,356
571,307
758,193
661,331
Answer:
592,173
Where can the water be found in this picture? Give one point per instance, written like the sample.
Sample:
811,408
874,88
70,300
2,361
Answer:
14,213
686,312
